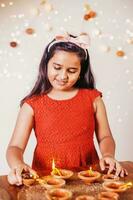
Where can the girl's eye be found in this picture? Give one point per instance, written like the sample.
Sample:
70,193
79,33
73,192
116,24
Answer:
57,68
71,71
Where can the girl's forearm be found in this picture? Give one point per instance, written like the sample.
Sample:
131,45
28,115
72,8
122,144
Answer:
14,156
107,146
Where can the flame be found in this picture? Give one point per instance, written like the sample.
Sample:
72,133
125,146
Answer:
53,164
126,185
34,175
54,169
90,171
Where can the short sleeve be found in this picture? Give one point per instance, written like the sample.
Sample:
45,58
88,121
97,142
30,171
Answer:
30,101
95,93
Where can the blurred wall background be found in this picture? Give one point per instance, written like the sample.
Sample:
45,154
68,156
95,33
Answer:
25,29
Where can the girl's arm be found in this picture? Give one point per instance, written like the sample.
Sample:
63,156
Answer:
18,144
105,139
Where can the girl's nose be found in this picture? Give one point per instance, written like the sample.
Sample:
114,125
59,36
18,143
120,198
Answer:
64,76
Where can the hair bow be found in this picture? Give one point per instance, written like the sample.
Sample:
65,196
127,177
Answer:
83,40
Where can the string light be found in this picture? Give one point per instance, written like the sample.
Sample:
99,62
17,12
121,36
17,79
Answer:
10,3
3,5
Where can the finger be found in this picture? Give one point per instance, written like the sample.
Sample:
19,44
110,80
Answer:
125,172
122,173
18,184
18,176
111,167
118,169
12,178
102,164
26,168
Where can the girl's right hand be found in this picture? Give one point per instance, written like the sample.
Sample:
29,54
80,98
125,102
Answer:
15,175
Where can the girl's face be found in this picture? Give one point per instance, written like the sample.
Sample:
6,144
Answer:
63,70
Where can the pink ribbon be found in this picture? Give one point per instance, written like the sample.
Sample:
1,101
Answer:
82,40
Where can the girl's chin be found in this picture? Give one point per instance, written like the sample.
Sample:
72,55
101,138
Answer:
60,87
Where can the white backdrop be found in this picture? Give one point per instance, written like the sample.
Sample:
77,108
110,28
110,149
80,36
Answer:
110,31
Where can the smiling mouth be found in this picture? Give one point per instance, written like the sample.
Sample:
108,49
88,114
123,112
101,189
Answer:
61,82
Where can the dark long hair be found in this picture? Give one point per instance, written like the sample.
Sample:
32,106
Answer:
43,86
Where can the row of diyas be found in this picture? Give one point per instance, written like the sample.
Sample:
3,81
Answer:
88,176
56,180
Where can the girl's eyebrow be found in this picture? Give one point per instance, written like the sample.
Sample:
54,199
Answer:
58,64
62,65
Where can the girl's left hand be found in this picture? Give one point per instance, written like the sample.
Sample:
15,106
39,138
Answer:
114,165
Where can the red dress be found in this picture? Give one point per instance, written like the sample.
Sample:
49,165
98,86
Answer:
64,130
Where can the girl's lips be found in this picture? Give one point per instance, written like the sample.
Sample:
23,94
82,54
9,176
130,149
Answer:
61,82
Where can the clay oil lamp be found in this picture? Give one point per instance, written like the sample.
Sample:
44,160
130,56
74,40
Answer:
58,194
110,177
116,186
85,197
89,176
28,178
108,195
51,182
60,173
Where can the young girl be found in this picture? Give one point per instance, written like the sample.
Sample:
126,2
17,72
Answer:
65,110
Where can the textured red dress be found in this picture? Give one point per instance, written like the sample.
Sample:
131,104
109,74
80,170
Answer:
64,130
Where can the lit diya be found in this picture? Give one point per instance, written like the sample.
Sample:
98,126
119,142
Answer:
58,194
85,197
110,177
50,182
108,195
89,176
116,186
28,178
60,173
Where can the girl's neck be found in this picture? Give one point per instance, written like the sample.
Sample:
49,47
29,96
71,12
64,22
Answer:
61,95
